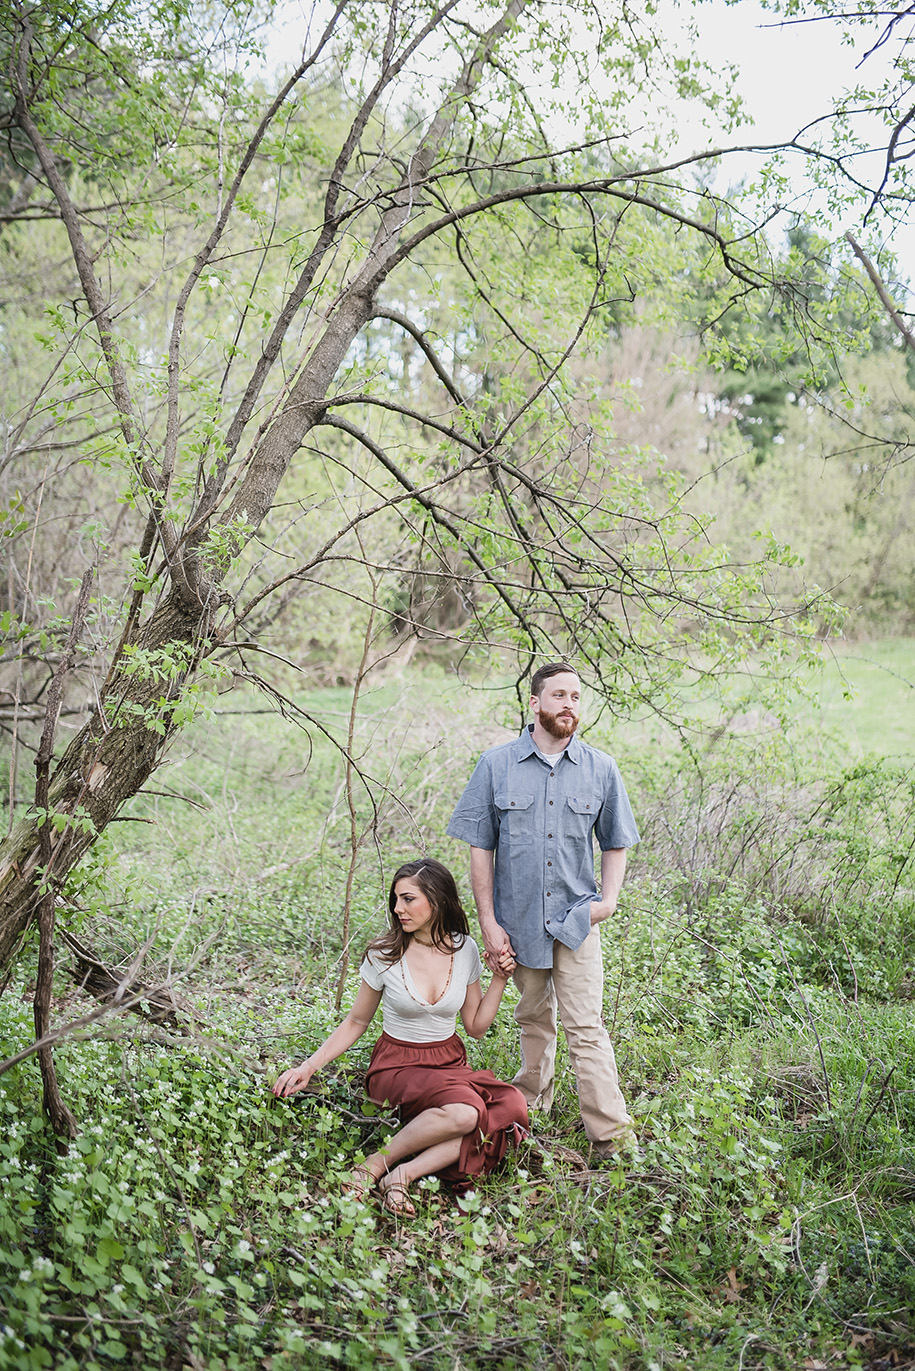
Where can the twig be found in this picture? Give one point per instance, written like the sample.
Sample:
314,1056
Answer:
355,837
886,1081
882,291
62,1119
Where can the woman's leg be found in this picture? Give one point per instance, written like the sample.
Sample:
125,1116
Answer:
445,1124
394,1185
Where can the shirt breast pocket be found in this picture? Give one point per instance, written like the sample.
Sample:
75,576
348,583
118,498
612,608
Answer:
516,818
580,815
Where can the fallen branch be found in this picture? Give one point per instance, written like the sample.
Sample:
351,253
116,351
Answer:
159,1003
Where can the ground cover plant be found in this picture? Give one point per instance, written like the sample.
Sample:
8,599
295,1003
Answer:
766,1044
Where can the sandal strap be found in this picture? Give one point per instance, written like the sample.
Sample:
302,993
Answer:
395,1196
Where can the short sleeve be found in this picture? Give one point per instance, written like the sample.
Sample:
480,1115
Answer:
615,825
372,972
474,961
474,820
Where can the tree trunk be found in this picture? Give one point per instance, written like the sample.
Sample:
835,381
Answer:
107,763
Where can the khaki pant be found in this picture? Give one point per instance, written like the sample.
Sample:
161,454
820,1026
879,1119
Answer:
574,985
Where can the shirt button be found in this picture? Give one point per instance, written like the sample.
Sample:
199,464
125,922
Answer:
548,893
513,804
551,801
552,773
549,863
548,921
549,835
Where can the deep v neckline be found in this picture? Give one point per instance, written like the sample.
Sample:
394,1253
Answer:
406,970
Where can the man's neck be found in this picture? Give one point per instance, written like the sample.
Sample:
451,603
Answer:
546,743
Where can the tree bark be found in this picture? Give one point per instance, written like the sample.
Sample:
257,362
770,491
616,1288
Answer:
107,763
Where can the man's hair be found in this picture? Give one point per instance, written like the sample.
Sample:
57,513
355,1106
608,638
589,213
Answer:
543,674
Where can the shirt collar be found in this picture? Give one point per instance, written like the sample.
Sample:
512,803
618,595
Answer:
526,748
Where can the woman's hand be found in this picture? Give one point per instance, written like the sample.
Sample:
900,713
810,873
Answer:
497,944
503,965
342,1038
296,1078
479,1010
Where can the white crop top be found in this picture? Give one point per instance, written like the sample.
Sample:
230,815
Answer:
406,1015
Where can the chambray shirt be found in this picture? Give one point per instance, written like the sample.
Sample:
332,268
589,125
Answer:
540,819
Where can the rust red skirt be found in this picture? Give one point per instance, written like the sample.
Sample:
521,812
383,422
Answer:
419,1076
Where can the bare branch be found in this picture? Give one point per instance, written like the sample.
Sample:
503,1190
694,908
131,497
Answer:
611,187
881,290
335,421
206,251
330,224
419,337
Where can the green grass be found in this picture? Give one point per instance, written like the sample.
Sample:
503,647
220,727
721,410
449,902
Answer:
867,694
758,989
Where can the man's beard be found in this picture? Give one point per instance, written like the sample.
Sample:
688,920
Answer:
558,727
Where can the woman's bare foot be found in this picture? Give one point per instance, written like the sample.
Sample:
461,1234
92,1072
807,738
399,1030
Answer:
394,1197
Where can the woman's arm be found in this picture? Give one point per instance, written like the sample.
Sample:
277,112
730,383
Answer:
479,1010
342,1038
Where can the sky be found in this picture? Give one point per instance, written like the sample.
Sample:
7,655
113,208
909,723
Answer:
789,75
788,71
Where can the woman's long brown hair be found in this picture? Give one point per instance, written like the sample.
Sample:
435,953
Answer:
449,926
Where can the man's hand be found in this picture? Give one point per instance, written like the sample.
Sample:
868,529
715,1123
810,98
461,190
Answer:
500,955
601,909
612,871
503,965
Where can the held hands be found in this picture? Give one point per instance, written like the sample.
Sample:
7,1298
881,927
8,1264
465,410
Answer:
502,965
500,955
293,1080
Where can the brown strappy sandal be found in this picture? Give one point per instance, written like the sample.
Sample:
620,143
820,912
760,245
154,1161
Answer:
360,1184
394,1197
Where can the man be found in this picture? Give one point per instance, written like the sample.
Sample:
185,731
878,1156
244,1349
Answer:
530,812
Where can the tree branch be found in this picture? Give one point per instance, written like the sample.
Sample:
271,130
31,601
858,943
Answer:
335,421
206,251
132,434
883,293
612,187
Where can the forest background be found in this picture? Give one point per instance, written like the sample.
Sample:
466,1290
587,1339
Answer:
335,398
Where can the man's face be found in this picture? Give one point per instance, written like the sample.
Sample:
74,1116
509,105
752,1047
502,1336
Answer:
556,708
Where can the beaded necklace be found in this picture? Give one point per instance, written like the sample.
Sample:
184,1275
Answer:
403,977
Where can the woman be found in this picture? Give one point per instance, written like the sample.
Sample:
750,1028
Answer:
457,1123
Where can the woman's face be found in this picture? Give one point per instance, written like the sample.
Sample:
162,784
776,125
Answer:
411,907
